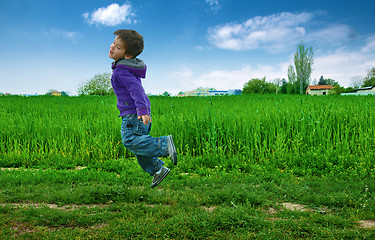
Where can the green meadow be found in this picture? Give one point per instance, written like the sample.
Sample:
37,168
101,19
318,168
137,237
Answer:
250,167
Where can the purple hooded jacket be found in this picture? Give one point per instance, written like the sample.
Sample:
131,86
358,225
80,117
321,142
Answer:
127,85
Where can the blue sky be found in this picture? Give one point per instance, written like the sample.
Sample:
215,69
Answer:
188,44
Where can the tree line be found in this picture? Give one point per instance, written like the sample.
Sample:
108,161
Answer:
298,79
282,86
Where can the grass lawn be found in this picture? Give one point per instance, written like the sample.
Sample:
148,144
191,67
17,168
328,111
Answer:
113,200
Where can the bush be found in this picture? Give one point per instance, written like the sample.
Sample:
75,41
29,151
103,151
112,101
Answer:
100,84
257,85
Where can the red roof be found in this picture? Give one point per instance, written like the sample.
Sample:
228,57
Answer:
319,87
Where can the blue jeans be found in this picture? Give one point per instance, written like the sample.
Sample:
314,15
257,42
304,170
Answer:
147,149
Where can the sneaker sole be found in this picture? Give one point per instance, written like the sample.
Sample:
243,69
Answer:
160,179
174,154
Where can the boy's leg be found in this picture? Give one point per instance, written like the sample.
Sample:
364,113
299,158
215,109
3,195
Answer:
146,148
150,164
154,167
146,145
136,139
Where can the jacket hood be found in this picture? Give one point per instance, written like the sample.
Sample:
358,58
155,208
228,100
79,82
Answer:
134,65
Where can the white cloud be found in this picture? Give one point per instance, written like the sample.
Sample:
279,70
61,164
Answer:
67,35
275,33
225,79
214,5
111,15
370,44
332,33
343,65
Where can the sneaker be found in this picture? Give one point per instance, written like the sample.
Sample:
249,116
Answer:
159,177
171,149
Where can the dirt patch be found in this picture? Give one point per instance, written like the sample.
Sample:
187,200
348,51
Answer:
208,209
8,169
271,210
303,208
77,168
52,206
22,228
69,207
136,187
367,223
296,207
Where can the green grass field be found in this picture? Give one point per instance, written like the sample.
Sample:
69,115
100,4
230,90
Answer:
245,162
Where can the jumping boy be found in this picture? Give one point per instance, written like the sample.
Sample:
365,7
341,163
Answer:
134,106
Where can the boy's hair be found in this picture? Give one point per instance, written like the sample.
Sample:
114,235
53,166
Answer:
133,41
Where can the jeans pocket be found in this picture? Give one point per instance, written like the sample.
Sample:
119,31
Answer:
141,129
131,125
128,124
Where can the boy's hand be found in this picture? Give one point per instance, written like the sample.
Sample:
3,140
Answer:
145,118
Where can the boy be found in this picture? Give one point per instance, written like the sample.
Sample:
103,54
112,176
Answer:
134,106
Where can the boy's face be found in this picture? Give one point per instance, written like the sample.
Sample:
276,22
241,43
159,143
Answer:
117,49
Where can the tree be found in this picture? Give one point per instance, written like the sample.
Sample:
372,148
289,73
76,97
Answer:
166,94
284,86
303,61
100,84
337,90
257,85
322,81
369,79
291,74
291,87
331,82
277,82
349,90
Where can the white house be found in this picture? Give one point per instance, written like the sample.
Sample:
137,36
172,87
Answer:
318,89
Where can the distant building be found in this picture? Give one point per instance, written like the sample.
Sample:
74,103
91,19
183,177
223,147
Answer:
197,92
56,93
210,92
366,90
318,89
234,92
362,91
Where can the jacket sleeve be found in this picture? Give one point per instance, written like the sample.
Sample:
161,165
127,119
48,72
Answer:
135,89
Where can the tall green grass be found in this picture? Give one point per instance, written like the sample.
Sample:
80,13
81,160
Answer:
36,129
300,134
